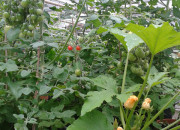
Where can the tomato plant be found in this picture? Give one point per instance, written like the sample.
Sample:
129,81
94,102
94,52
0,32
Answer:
95,65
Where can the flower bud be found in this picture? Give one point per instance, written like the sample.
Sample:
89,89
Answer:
119,128
129,104
146,104
148,100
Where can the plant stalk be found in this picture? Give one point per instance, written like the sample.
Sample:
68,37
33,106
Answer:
162,109
176,128
169,126
69,37
125,72
122,115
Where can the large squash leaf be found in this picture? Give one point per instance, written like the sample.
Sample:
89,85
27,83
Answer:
157,39
94,120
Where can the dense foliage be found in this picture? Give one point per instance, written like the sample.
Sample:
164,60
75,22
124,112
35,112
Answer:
80,78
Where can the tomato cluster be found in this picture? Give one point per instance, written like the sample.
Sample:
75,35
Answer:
139,60
26,14
78,48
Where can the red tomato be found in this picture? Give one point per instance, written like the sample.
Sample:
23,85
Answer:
78,48
70,48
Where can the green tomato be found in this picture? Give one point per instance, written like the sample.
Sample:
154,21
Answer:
30,34
31,27
19,17
124,54
147,53
140,53
40,4
146,65
131,57
31,10
133,69
33,17
25,32
20,9
21,35
5,6
13,18
40,19
24,3
6,15
78,72
81,39
111,66
39,11
119,64
7,28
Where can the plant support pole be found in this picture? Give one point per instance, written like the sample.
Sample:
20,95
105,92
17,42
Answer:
61,50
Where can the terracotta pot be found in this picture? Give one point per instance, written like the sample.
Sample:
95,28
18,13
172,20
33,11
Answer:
44,97
167,121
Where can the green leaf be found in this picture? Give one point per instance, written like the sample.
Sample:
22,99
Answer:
25,73
105,82
2,66
118,20
11,66
123,97
157,39
95,20
156,77
15,89
120,35
38,44
95,100
55,45
132,40
176,3
60,73
104,1
133,88
19,126
45,124
101,30
26,91
67,113
57,93
20,116
13,34
32,121
94,120
44,89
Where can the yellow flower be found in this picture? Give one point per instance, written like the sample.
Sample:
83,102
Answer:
129,104
119,128
146,104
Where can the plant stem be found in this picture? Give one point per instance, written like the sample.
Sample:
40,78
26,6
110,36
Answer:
169,126
141,91
122,115
130,9
176,128
167,6
162,109
72,31
6,57
125,72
